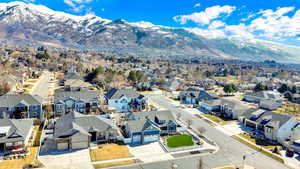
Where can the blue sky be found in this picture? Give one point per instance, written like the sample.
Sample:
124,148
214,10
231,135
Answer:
276,20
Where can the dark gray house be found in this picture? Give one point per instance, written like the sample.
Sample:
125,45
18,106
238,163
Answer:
15,134
83,101
76,131
21,106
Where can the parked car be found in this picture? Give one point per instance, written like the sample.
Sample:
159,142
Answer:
290,152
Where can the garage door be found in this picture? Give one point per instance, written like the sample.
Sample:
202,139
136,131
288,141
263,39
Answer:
136,139
150,138
79,145
62,146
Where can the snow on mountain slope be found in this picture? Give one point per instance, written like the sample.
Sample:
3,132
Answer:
29,24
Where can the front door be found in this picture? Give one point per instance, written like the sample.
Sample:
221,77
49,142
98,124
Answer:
94,136
2,146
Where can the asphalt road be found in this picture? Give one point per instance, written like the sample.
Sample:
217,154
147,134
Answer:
230,153
43,87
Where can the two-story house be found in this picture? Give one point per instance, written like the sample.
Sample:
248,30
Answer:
21,106
83,101
147,127
126,100
266,121
289,134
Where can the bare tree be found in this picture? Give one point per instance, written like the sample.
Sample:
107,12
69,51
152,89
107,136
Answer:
4,88
48,110
189,122
178,115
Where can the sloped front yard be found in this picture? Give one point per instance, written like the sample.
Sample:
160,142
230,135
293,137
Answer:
110,152
180,141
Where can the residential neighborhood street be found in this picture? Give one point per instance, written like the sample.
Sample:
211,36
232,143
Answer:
230,152
43,86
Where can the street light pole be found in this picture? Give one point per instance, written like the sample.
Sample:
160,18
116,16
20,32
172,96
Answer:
244,158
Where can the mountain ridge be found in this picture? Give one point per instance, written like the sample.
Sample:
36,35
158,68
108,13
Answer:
29,24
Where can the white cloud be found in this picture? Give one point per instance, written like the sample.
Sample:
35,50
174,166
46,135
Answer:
28,1
278,24
205,17
216,24
240,31
197,5
274,24
77,5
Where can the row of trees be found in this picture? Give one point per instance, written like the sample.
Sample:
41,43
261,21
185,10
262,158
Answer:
230,88
135,76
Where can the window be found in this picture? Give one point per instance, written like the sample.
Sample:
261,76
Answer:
123,101
34,114
9,144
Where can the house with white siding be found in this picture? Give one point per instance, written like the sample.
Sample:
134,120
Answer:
126,100
289,134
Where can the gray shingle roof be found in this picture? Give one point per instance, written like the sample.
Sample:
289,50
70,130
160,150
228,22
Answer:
199,94
77,83
75,122
118,93
140,125
18,130
274,117
9,100
265,94
85,95
72,76
166,115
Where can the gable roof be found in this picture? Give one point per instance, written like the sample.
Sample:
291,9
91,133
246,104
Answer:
140,125
74,122
265,95
17,129
85,95
166,115
77,83
118,93
9,100
72,75
273,117
198,94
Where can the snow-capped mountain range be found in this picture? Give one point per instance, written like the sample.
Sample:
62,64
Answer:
29,24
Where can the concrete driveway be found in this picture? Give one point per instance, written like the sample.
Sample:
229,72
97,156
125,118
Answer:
233,129
79,159
150,152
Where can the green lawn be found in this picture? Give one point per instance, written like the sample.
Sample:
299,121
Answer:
180,141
